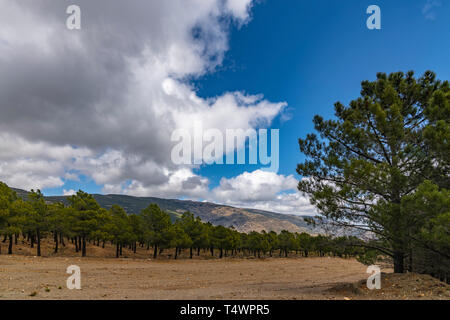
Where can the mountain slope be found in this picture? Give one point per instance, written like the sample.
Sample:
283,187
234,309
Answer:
244,220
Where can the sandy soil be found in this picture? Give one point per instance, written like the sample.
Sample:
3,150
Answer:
103,278
409,286
23,276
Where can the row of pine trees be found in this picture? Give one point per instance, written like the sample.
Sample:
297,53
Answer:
83,221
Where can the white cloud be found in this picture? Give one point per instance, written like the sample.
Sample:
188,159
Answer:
239,8
70,192
259,189
258,185
263,190
180,182
36,165
103,101
115,90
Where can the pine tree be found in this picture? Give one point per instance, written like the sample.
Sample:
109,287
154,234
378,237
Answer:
84,210
157,223
375,152
38,217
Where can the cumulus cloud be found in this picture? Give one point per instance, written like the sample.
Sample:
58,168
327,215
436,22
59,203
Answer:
70,192
179,183
37,165
263,190
103,101
258,185
239,9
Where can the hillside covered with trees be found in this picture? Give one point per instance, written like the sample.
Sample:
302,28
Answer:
83,221
242,219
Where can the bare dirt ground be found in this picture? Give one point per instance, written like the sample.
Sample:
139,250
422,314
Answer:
168,279
27,277
135,276
409,286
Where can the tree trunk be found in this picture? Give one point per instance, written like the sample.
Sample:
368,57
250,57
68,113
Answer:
83,248
55,237
10,244
198,251
399,262
117,250
190,252
176,253
61,239
221,253
410,264
38,234
155,251
76,245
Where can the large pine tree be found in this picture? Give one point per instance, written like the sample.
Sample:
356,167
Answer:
375,152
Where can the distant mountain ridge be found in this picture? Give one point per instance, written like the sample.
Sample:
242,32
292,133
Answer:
243,220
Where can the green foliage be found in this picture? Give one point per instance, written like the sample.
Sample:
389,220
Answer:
84,211
376,153
137,227
7,198
83,220
157,222
118,226
368,257
179,239
258,242
429,207
286,241
221,237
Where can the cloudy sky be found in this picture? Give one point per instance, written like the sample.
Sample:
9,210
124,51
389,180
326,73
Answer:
94,109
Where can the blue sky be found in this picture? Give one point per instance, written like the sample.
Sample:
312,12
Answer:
114,91
314,53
